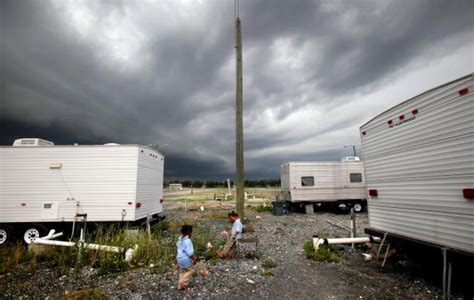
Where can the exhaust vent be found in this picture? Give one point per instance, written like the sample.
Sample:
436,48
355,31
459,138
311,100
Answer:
31,142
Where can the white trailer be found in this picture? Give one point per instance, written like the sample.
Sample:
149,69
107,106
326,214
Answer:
337,184
45,186
419,163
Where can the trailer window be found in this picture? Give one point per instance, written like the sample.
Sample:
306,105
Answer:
307,181
356,177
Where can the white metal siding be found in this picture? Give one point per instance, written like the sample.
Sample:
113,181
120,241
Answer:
331,181
420,168
149,182
101,179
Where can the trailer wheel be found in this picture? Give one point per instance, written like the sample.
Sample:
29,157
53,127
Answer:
358,207
6,234
33,232
343,208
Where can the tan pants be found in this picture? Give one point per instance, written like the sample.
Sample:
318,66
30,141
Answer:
228,247
185,275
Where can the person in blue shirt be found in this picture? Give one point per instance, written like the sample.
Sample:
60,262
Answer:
185,257
237,228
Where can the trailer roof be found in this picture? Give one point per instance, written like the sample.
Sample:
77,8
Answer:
321,162
419,95
84,145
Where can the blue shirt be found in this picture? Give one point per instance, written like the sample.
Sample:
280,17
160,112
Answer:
185,251
237,227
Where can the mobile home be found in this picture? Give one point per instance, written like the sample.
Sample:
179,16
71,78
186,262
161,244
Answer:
339,184
44,186
419,164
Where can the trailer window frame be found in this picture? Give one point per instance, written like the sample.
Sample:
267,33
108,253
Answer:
353,176
307,180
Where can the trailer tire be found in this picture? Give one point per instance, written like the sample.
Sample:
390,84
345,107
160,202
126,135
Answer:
342,208
358,207
33,232
6,234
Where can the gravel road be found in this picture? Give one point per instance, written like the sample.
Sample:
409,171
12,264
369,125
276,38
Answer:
293,276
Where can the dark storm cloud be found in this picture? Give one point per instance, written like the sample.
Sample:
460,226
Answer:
163,73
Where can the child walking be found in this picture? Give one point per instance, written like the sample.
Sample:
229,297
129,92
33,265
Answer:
185,257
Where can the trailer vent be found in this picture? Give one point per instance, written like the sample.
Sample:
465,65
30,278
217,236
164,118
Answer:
55,165
32,142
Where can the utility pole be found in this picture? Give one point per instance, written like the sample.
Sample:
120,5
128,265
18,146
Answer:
239,131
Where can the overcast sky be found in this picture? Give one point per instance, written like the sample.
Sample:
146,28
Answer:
163,72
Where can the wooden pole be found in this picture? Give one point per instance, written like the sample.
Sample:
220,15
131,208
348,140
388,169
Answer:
239,145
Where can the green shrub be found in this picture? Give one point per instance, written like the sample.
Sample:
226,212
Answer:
327,253
263,208
309,250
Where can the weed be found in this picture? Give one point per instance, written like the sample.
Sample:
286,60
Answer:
309,250
268,264
216,215
266,273
108,266
93,293
11,256
162,226
262,208
327,253
158,249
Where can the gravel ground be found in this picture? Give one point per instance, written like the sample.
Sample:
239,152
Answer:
282,239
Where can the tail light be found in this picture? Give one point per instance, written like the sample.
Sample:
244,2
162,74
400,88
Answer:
464,91
468,193
373,193
161,200
138,204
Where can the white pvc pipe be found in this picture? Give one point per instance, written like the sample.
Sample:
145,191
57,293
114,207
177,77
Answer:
51,235
317,242
45,241
103,248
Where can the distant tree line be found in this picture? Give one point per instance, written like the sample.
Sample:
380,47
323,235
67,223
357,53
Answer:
222,184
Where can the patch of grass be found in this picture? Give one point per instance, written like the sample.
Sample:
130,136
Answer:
93,293
162,226
266,273
110,266
11,256
158,249
216,215
262,208
268,264
327,253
